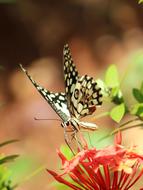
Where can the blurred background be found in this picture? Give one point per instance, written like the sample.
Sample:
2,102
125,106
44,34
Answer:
99,33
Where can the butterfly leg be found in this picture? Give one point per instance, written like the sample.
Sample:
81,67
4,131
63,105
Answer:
66,138
89,139
76,135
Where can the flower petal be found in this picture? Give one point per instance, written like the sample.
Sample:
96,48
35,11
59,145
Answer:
61,180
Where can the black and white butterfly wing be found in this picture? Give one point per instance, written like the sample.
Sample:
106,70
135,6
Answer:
56,100
70,75
83,93
86,97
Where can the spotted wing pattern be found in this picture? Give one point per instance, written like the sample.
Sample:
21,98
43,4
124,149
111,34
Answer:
70,74
83,93
86,96
56,100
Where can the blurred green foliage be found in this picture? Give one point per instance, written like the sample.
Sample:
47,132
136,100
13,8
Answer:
5,179
111,77
112,83
137,108
17,172
5,173
24,168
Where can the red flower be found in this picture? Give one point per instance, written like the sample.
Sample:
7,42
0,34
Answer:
111,168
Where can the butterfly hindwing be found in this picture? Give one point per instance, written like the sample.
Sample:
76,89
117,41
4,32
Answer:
83,93
56,100
86,96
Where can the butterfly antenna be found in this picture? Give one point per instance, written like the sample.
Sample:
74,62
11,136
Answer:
39,119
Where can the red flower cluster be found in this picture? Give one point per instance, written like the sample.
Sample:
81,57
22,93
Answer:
111,168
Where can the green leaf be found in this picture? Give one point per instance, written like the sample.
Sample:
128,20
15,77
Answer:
138,95
116,95
140,1
137,110
8,142
8,158
5,181
118,112
141,88
111,77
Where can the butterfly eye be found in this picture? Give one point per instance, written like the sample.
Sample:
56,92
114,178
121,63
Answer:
67,123
76,94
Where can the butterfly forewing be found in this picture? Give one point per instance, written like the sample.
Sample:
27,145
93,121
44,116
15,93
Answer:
70,74
56,100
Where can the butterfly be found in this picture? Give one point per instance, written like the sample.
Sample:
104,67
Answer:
81,97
